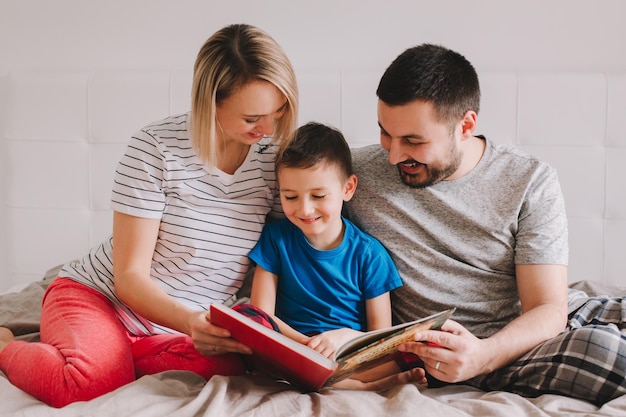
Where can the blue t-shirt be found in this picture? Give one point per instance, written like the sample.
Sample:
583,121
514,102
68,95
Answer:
320,290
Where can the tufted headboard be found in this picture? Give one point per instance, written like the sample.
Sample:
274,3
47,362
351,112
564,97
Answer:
63,133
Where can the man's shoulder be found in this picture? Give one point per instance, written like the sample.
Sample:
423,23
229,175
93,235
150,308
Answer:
514,158
366,152
371,162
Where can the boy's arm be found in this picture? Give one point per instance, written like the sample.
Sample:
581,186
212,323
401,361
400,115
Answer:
263,296
378,312
263,292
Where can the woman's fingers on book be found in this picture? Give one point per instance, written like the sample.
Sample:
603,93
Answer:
220,345
210,339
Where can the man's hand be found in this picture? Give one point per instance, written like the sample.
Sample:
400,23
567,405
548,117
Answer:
451,354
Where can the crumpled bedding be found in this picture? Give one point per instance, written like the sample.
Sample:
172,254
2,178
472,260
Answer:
177,393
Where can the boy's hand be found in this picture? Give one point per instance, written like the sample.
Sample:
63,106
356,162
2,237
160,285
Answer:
328,342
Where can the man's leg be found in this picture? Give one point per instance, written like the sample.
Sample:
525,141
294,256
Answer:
587,361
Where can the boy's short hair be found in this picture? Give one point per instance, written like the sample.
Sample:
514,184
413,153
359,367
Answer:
314,143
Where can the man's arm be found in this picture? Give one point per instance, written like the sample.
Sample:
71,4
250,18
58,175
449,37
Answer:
543,294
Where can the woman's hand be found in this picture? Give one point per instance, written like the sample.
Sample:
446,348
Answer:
210,340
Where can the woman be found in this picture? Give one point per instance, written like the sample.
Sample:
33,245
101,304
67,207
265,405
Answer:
190,198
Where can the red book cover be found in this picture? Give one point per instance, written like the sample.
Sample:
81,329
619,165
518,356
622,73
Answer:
286,359
274,352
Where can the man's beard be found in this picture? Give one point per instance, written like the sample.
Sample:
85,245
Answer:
434,174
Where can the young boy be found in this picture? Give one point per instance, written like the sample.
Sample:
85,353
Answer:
318,276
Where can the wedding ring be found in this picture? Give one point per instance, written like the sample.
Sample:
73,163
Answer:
437,365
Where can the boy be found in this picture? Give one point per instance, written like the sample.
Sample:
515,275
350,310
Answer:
318,276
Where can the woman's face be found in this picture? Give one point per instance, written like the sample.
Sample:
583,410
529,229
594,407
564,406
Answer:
251,112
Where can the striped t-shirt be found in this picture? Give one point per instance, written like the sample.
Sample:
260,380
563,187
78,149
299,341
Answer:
209,220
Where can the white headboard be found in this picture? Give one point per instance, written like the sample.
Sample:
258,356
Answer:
63,133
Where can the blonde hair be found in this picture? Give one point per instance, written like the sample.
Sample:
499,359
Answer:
231,58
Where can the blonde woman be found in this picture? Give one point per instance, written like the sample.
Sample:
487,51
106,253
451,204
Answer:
190,198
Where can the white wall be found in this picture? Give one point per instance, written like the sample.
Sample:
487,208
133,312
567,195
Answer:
324,35
494,34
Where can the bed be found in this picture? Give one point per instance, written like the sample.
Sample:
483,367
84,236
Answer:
53,212
177,393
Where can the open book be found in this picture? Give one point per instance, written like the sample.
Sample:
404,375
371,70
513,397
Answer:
284,358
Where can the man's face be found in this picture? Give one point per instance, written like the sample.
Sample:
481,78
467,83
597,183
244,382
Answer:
423,149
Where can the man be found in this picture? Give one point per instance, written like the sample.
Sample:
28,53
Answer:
481,227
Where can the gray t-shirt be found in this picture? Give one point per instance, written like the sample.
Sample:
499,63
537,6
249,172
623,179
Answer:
457,242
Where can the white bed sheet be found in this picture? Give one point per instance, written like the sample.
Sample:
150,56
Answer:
184,394
187,395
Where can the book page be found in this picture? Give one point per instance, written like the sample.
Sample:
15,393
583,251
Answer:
374,335
370,350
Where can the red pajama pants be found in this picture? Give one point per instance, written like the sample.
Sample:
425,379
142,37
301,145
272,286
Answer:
85,351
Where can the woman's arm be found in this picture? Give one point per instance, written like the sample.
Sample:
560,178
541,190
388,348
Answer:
134,240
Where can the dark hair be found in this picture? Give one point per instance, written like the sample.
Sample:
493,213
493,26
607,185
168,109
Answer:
433,74
314,143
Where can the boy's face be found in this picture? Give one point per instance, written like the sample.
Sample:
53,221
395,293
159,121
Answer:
312,199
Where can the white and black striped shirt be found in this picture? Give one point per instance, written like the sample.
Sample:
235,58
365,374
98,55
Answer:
209,220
